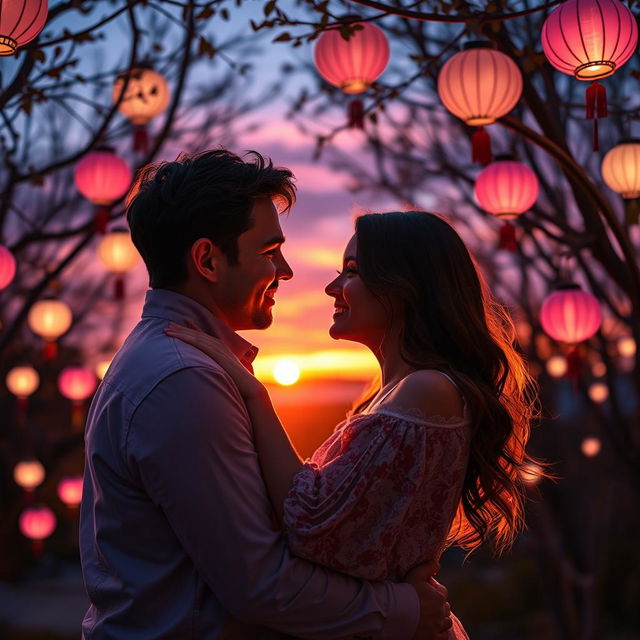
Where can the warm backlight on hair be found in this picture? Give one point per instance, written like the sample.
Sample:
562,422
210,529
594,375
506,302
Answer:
286,372
531,474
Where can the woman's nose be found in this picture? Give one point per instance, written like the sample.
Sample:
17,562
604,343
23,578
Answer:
333,289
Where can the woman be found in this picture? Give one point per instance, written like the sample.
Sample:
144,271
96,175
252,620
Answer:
433,457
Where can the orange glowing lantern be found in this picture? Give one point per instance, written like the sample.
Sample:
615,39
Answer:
20,22
22,381
598,392
77,384
103,178
118,253
353,64
591,447
571,315
7,265
146,96
506,189
590,40
556,366
626,347
70,491
29,474
101,368
621,173
479,85
37,523
531,474
49,319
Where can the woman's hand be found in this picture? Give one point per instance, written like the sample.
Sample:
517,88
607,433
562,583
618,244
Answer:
218,351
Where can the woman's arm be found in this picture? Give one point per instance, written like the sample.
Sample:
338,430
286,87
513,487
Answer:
279,460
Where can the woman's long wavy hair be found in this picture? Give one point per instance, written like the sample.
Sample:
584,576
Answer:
417,266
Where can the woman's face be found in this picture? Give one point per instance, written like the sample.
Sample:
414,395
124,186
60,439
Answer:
359,315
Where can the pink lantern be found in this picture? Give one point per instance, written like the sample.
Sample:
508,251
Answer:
103,178
70,491
37,522
506,189
76,384
480,85
353,64
7,266
590,39
20,22
571,315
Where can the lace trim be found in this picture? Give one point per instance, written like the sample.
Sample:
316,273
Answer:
413,414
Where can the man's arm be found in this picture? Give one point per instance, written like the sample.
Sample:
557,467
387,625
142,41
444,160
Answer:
191,442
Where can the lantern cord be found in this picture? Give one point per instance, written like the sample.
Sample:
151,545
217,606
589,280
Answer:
101,220
596,107
574,366
140,139
356,114
632,211
50,351
118,289
481,146
508,240
23,404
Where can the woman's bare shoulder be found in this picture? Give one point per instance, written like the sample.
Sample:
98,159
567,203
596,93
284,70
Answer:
429,391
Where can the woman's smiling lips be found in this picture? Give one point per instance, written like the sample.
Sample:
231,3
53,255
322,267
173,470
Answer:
339,310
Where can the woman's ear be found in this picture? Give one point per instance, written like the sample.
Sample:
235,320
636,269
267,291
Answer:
205,259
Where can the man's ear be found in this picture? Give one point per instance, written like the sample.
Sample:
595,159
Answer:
206,258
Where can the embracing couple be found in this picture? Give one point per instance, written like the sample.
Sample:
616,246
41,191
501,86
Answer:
199,519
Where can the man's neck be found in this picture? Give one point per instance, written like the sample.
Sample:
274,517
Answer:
200,298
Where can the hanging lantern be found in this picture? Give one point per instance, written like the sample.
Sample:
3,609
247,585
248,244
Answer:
572,316
119,255
20,22
49,319
76,384
37,522
29,474
103,178
598,392
354,64
146,96
626,346
621,173
590,40
22,382
506,189
591,447
480,85
7,265
556,366
101,369
70,492
531,474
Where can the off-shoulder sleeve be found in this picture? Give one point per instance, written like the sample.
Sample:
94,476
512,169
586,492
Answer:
378,497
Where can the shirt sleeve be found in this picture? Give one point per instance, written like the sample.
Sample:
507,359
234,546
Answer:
191,443
378,497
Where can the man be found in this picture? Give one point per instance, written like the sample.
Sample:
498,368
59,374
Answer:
177,537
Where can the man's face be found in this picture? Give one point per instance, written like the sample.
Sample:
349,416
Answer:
245,292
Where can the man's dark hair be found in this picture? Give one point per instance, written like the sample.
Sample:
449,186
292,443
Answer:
203,195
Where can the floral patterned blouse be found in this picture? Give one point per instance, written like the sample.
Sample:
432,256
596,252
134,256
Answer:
379,496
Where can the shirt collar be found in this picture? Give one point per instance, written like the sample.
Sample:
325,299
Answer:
162,303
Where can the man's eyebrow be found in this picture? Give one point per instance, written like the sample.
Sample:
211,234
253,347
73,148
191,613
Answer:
273,241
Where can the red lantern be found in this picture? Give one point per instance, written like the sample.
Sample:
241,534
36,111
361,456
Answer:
571,315
76,384
480,85
506,189
7,267
70,492
20,22
354,64
103,178
590,40
37,523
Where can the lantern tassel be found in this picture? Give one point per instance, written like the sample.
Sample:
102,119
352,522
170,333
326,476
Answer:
102,220
356,114
632,211
50,351
77,415
119,288
38,548
508,240
140,139
596,107
574,366
481,146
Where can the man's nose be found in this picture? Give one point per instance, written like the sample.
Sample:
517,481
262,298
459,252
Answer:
285,272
